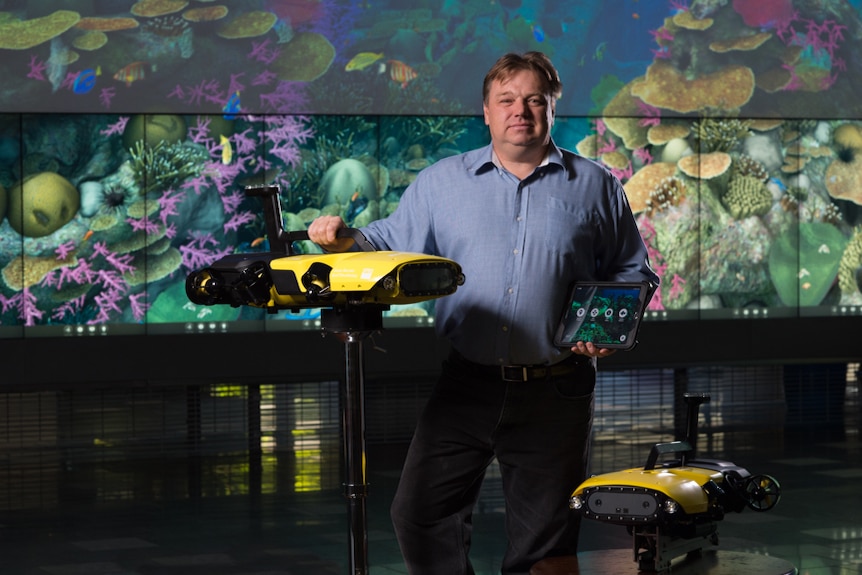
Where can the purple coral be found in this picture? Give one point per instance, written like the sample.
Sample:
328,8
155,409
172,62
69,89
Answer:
197,253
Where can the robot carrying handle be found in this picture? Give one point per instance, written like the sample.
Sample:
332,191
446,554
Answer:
358,237
688,447
281,240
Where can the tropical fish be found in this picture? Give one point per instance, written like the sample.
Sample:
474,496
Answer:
87,236
85,80
226,150
538,33
357,204
400,72
232,107
778,183
133,72
362,61
257,241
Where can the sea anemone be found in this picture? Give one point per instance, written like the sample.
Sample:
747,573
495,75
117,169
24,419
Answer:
845,154
113,199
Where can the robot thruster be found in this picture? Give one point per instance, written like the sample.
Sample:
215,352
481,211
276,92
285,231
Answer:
671,507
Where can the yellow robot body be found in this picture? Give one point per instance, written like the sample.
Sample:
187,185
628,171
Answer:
686,484
382,277
275,281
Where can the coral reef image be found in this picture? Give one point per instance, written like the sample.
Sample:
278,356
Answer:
739,214
768,58
130,129
104,216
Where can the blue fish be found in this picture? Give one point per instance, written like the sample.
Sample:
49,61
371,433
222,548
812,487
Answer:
86,80
781,185
232,108
538,33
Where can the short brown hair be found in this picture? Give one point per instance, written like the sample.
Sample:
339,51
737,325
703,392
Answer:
533,61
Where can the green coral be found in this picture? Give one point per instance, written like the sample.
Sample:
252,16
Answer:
747,196
432,132
164,165
719,135
803,263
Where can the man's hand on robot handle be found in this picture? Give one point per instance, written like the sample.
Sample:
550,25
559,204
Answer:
324,231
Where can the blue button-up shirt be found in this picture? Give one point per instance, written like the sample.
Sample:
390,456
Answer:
521,245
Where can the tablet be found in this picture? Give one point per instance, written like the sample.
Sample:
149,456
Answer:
605,313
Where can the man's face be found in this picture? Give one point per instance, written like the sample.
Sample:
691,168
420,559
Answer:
518,113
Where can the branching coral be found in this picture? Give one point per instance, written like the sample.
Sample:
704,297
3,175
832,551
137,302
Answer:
431,131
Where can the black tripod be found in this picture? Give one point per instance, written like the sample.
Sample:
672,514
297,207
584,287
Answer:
352,325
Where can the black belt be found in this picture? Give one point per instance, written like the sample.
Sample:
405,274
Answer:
519,372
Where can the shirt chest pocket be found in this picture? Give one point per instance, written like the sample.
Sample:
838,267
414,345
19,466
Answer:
569,228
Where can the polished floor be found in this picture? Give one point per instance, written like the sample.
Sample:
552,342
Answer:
80,510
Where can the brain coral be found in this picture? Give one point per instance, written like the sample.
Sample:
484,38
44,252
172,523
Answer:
747,196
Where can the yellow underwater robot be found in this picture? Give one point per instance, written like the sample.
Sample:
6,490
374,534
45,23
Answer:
671,507
283,279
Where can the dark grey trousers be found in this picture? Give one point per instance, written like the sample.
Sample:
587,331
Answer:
539,431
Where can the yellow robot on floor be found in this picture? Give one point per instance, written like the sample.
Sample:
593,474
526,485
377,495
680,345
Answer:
671,507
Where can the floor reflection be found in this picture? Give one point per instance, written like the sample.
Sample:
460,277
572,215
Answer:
162,492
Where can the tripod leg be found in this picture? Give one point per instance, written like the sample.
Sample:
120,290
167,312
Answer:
355,487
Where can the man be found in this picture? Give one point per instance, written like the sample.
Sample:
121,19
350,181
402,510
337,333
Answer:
524,219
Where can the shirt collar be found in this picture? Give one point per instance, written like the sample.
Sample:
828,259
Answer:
486,157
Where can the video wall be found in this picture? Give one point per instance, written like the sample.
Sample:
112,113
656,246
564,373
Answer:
104,216
127,135
775,58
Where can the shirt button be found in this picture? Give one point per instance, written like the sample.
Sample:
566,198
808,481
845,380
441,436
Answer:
515,251
510,290
505,328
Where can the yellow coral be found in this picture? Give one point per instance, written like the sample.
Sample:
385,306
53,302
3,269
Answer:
851,260
747,196
25,34
666,87
249,25
26,271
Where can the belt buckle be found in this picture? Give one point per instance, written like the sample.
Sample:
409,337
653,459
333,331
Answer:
511,373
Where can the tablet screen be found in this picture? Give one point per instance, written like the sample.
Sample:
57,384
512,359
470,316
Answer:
605,313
